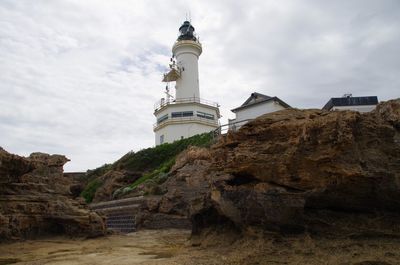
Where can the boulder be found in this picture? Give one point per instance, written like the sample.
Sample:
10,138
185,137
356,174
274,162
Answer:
36,199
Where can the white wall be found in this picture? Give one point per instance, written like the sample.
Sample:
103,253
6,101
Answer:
175,132
182,127
257,110
365,108
253,112
187,55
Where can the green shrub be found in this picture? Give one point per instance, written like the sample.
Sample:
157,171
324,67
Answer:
150,158
90,190
162,169
100,171
155,161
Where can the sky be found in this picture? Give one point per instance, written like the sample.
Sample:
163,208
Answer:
80,78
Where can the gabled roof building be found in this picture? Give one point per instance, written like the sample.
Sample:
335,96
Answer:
256,105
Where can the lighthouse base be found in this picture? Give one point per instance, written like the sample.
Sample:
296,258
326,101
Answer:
173,132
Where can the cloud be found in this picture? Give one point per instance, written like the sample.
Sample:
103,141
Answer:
81,77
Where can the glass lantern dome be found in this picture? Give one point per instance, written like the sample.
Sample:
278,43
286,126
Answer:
186,32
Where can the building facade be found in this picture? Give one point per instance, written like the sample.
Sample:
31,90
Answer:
348,102
185,114
256,105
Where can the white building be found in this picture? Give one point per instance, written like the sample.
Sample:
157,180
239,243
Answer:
348,102
256,105
186,114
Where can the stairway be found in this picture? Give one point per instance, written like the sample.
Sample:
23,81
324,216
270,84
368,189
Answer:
121,223
120,214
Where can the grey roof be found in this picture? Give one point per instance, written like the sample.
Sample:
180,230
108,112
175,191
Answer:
350,101
257,98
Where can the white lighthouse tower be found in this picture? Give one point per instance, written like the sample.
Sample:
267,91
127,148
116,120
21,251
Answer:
186,114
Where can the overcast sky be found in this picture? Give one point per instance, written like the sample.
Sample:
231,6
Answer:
80,78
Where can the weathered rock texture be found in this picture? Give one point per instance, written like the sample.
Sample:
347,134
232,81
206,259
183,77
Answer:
292,171
36,199
186,192
78,182
113,180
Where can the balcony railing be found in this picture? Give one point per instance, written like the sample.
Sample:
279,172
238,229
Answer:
163,102
185,119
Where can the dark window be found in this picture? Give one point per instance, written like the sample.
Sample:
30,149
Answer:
205,115
181,114
163,118
187,113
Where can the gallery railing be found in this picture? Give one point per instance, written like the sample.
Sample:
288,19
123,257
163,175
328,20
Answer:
163,102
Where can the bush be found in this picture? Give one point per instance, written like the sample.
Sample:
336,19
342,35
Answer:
156,161
151,158
100,171
90,190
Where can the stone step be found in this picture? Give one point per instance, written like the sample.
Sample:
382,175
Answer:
123,230
120,214
127,209
121,223
121,202
120,217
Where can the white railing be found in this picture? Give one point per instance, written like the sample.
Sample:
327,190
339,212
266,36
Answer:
182,119
230,127
163,102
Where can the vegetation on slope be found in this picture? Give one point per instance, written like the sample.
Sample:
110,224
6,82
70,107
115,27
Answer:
90,190
151,162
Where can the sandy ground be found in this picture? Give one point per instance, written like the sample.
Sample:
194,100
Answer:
173,247
144,247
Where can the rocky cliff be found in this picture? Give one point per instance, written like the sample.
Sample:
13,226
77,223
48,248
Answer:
293,171
36,199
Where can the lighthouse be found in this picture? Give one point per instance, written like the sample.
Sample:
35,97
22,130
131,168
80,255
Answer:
184,114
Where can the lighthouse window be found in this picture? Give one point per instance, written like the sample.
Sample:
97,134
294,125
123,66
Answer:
205,115
181,114
187,113
162,118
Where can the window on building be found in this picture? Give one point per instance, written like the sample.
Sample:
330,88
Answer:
205,115
162,118
181,114
161,139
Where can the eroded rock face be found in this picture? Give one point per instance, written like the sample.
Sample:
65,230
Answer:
187,192
296,170
36,199
113,180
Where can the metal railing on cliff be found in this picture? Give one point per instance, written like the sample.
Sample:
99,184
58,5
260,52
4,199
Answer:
230,127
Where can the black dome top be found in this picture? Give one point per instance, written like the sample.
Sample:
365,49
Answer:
186,32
